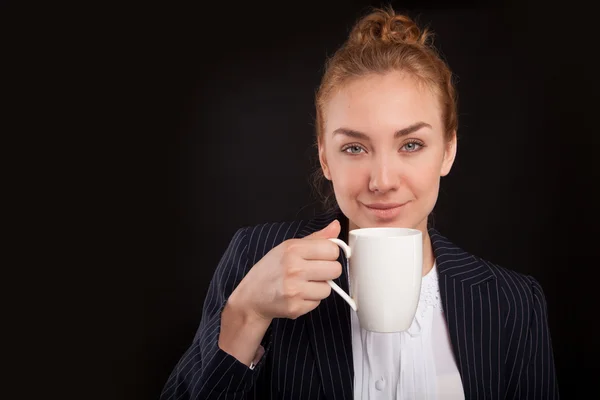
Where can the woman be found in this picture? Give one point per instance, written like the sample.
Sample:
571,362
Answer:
386,134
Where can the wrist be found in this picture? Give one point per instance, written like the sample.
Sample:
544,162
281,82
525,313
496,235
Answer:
238,305
242,329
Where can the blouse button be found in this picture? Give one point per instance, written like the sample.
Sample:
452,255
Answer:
380,384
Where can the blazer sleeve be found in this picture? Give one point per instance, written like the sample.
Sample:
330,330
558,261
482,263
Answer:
205,371
538,380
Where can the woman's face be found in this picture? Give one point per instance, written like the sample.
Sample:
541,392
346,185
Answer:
384,149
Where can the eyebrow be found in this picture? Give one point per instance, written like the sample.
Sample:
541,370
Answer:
402,132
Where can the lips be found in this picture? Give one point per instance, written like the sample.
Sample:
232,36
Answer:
384,206
385,211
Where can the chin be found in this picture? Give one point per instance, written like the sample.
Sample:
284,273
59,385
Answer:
364,221
401,219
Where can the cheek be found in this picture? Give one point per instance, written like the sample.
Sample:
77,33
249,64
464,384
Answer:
423,175
350,178
427,178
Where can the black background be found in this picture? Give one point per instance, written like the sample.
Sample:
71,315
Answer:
221,96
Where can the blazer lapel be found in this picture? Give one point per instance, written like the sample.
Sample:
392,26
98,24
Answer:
329,328
470,306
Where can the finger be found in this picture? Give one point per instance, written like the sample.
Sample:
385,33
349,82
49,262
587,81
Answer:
315,290
319,249
330,231
322,270
307,306
311,304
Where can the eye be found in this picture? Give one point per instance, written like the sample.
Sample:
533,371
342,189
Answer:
412,146
353,149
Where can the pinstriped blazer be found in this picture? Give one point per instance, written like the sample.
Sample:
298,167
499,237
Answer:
496,318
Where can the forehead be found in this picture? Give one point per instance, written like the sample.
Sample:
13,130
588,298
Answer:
382,103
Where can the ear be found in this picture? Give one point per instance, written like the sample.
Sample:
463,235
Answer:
323,160
449,155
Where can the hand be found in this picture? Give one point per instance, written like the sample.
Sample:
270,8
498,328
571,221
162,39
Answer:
290,280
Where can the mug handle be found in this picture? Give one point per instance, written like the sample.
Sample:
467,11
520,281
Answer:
334,286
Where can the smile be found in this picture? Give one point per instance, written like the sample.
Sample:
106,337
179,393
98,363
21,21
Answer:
385,210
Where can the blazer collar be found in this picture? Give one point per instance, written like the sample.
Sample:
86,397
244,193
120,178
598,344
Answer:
455,263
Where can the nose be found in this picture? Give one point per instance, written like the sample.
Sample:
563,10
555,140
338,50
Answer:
384,177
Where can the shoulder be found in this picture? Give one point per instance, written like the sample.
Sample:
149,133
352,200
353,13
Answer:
259,239
516,292
519,287
520,295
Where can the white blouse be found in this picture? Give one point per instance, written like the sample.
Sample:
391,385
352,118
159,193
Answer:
417,364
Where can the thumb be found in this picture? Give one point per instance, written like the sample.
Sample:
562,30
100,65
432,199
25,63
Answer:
330,231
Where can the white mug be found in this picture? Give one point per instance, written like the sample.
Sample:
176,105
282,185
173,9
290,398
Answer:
385,267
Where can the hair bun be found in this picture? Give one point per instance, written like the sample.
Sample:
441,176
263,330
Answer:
384,26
